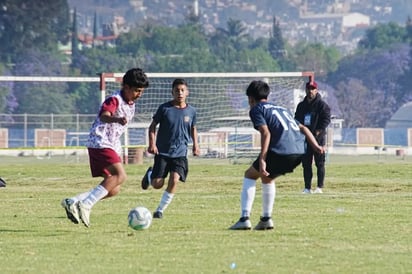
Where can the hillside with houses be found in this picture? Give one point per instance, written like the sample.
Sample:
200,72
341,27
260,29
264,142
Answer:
339,23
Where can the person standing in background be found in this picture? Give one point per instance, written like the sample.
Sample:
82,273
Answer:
314,113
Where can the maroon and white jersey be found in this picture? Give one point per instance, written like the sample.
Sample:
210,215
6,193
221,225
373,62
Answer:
107,135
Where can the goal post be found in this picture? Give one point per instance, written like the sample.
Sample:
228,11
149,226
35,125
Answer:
222,108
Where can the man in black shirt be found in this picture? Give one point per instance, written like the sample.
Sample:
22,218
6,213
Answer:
314,113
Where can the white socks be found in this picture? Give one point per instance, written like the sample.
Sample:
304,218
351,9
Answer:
268,199
81,196
165,201
95,195
247,196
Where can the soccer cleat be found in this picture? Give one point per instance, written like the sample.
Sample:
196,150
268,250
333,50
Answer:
2,183
265,223
72,212
84,213
306,191
243,224
146,179
158,215
318,190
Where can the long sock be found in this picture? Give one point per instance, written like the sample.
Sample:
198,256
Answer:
98,193
268,198
165,201
247,196
81,196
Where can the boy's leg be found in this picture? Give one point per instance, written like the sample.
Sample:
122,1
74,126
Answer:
110,186
268,200
247,198
168,195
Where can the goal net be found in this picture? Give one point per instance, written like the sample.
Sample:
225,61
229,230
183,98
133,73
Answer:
222,107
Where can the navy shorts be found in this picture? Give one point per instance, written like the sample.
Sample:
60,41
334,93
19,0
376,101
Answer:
279,164
164,165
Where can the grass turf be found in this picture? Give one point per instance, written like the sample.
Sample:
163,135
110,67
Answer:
361,224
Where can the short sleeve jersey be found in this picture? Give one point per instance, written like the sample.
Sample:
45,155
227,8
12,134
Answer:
175,126
107,135
286,137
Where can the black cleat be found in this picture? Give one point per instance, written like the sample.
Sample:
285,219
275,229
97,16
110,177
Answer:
158,215
146,179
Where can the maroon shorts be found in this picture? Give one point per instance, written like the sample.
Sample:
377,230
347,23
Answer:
100,159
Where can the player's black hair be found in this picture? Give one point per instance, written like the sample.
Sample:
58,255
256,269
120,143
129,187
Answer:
136,77
258,90
178,81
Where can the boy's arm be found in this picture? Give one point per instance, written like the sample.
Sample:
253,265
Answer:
152,138
196,148
107,117
311,139
264,147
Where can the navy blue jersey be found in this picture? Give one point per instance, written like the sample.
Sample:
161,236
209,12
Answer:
286,137
175,126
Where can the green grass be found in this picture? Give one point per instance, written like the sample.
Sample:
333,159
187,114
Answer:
361,224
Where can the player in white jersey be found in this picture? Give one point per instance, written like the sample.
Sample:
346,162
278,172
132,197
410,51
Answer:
104,146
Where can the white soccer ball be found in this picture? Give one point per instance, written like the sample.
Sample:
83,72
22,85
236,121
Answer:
140,218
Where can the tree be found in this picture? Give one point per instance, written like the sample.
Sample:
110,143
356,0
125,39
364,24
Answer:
379,72
31,25
383,36
276,44
350,92
316,57
41,97
406,79
235,34
75,42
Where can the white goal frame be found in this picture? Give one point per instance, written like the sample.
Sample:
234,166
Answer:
112,77
118,76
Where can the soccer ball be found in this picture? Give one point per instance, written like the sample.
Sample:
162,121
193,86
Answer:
139,218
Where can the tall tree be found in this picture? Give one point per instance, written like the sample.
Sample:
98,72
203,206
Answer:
94,28
28,24
75,42
276,43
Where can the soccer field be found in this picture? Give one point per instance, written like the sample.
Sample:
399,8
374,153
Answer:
361,224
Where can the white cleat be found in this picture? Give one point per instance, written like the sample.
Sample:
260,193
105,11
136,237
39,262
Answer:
264,225
72,211
318,190
242,224
306,191
84,213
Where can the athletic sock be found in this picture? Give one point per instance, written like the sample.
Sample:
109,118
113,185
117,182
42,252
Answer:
268,198
95,195
81,196
247,196
165,201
